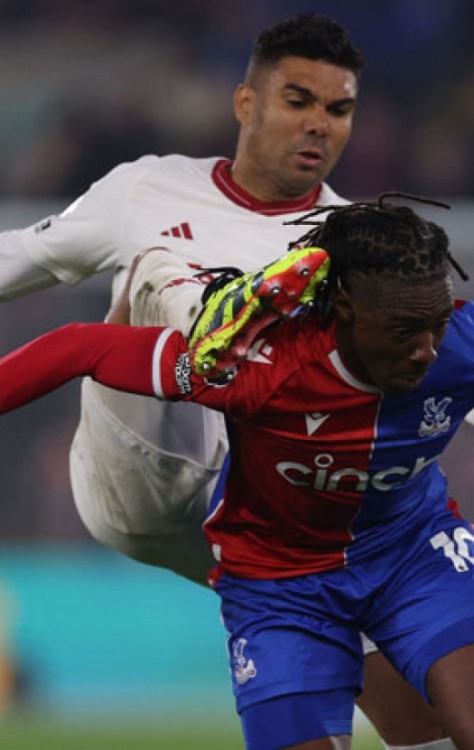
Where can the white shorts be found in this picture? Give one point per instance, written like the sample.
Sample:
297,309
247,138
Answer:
143,500
143,471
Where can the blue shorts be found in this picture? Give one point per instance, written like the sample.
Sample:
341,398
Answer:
293,719
415,599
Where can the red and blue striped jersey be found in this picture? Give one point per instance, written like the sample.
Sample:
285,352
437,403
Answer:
324,468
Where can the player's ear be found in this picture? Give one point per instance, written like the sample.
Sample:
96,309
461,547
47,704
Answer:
343,307
244,98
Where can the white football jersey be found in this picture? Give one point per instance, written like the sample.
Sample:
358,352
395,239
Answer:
189,205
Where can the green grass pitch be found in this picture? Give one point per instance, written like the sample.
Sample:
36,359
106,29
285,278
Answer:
32,733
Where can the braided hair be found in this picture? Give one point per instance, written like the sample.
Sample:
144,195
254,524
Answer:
377,239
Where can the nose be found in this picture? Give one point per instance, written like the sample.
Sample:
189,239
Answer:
425,350
317,120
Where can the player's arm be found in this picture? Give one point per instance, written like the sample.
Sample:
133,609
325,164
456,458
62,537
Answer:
159,361
149,361
19,274
117,356
234,312
144,360
81,241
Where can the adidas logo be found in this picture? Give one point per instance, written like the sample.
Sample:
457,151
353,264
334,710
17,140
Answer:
182,230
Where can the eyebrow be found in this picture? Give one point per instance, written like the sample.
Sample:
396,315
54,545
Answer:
416,319
309,94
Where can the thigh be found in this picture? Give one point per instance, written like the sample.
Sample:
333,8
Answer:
281,642
427,607
450,685
397,711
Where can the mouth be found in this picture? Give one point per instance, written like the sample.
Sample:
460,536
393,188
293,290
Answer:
310,158
405,383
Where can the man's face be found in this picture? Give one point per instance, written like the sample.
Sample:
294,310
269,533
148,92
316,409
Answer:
295,121
389,330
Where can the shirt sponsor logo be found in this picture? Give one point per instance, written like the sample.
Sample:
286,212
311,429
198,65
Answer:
321,477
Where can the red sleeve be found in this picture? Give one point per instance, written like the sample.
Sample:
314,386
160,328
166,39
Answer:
145,360
117,356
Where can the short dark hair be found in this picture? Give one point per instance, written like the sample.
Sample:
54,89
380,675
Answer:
306,35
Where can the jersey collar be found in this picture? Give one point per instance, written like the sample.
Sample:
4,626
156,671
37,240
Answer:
222,178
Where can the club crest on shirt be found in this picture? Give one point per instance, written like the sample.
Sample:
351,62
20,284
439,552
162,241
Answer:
244,669
435,421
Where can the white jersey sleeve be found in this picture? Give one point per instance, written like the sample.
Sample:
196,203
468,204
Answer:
170,201
18,273
83,240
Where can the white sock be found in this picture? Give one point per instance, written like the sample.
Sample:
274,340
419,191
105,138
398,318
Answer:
164,292
445,744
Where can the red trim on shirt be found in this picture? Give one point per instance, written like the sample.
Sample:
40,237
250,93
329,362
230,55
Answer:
222,178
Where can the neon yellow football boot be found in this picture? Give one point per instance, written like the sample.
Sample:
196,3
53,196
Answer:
234,314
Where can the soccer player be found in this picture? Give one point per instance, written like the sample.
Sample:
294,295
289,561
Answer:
142,472
333,517
295,111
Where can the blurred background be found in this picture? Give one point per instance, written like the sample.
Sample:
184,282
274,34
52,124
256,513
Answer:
88,635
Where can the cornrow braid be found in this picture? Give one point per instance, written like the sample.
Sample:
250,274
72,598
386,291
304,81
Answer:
377,238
